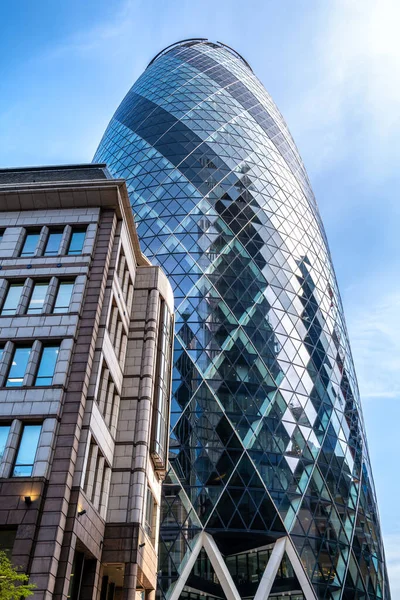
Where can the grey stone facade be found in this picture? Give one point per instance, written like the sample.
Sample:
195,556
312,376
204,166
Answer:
85,352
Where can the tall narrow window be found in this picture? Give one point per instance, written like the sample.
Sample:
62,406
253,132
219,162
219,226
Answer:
47,365
159,440
19,363
149,515
30,244
12,299
53,243
4,431
77,241
63,298
37,298
27,450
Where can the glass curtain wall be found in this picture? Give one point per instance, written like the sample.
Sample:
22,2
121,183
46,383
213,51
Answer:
267,436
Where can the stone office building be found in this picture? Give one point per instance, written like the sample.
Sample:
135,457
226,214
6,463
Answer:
85,341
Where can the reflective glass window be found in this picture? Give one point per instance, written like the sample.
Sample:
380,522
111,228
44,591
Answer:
47,365
27,450
31,241
19,363
12,299
53,243
37,298
63,298
4,431
77,241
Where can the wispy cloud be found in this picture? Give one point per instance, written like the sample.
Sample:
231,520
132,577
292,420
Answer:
375,338
353,102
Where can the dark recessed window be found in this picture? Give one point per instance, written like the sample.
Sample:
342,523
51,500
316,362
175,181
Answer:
12,299
37,298
63,298
30,244
19,363
53,243
27,450
77,241
47,365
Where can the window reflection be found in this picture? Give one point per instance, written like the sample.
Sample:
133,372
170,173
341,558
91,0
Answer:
27,450
12,299
47,365
30,244
19,363
37,298
77,241
53,243
4,431
63,298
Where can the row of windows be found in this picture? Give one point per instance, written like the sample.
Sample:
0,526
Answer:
36,298
108,399
43,369
97,479
118,337
25,456
52,242
125,281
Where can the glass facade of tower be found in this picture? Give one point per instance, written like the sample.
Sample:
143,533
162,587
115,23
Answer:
267,436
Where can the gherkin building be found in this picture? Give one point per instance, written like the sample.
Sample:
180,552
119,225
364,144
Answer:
269,492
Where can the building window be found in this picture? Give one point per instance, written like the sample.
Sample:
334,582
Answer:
76,242
4,431
47,365
27,450
7,540
53,243
13,297
18,366
37,298
159,440
30,244
63,298
149,514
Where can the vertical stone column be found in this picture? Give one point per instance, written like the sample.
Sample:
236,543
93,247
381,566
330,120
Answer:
130,579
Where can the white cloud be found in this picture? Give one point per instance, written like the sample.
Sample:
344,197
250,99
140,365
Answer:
353,97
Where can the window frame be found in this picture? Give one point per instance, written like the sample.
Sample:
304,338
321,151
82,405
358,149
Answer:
53,231
39,365
35,284
59,285
30,232
20,442
74,231
7,378
11,284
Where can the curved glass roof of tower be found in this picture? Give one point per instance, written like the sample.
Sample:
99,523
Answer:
269,489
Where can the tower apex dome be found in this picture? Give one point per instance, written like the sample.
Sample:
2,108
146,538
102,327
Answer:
196,41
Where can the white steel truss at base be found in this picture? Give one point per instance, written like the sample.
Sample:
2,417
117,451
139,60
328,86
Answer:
282,545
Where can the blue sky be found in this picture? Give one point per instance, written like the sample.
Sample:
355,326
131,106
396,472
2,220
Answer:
333,69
